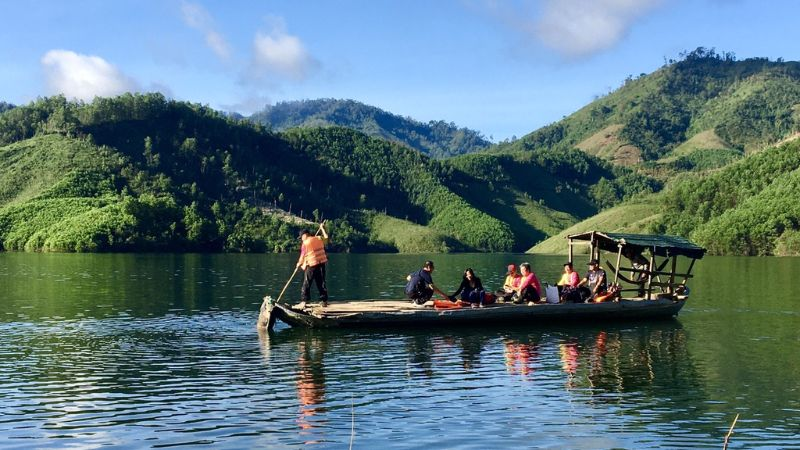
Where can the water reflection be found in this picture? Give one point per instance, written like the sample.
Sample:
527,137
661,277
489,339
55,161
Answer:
310,384
140,350
589,365
520,357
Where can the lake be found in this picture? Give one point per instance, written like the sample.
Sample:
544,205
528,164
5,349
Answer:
151,351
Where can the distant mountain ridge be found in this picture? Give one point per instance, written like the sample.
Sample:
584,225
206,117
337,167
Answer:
722,135
684,150
698,113
437,139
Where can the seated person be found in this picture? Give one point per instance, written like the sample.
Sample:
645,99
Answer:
509,286
595,282
471,289
529,289
568,284
420,287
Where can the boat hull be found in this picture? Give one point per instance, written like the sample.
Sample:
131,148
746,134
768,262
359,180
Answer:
386,313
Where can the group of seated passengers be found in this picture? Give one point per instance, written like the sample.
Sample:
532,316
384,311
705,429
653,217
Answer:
519,288
571,289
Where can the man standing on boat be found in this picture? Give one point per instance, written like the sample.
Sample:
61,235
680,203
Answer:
312,260
420,287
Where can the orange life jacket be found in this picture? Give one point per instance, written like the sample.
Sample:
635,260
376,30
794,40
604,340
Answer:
314,252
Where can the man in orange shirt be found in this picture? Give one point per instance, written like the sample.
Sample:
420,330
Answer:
312,260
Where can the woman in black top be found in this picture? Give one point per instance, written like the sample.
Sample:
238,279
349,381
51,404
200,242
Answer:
471,288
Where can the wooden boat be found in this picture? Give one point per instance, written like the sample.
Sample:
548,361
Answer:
660,293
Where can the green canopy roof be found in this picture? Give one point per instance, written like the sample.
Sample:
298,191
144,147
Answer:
659,244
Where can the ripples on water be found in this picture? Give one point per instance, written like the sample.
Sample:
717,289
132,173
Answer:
121,374
211,379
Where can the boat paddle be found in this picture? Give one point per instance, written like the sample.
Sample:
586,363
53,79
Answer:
297,267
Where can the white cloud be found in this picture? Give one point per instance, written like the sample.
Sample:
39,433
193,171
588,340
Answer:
581,27
574,28
277,53
198,18
83,77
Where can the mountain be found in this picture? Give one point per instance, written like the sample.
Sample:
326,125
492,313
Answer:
437,139
140,172
699,113
721,135
748,207
690,150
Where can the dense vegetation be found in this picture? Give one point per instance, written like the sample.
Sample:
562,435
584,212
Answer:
437,139
743,104
139,172
747,208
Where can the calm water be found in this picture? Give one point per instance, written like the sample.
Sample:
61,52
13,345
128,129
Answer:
137,351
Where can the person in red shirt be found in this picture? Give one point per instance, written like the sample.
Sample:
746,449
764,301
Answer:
529,289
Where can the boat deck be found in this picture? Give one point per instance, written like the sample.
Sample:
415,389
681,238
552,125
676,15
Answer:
394,312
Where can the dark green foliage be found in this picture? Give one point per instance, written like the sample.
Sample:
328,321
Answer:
705,159
748,103
741,209
138,172
5,107
659,125
437,139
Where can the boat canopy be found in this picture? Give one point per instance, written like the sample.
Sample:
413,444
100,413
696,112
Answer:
658,244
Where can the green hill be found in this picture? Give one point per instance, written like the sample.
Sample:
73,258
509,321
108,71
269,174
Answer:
747,208
140,172
636,216
437,139
711,103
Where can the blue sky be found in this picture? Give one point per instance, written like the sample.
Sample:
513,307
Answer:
504,68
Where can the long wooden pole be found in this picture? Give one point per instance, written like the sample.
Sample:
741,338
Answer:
728,436
295,269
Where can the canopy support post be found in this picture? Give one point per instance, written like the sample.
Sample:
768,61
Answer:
672,274
570,250
650,274
619,257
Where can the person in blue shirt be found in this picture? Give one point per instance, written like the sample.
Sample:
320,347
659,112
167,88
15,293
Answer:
420,287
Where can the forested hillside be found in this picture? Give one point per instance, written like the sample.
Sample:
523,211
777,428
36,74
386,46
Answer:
710,128
748,208
139,172
680,148
695,114
437,139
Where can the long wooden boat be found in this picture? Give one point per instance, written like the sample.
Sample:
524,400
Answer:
660,293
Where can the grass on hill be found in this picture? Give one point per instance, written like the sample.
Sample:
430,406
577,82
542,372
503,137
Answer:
636,216
408,237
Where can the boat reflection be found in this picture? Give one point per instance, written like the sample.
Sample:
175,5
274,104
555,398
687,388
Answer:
310,382
520,357
649,360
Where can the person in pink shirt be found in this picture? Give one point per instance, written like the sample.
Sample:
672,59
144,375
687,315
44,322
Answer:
529,289
568,285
